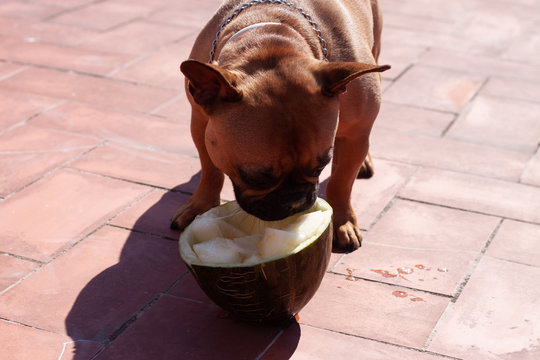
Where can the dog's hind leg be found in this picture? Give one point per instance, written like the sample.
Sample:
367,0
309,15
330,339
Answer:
366,170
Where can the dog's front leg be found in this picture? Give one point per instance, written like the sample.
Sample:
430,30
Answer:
347,161
359,107
208,191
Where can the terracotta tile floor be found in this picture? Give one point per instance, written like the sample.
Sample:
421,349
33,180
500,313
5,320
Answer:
96,155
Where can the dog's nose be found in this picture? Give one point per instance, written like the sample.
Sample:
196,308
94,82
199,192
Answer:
293,199
280,203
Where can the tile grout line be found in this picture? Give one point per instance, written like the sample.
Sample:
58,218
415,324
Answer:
131,205
141,311
87,74
396,197
529,165
165,104
178,92
40,263
420,107
21,280
359,278
387,207
61,252
272,342
383,342
151,234
438,324
465,108
146,19
341,258
443,20
122,328
508,65
402,247
63,165
183,298
20,257
475,263
502,259
174,283
48,19
138,314
143,17
469,210
33,116
28,326
46,151
13,73
125,66
431,166
147,55
114,335
158,187
393,81
513,98
463,284
404,71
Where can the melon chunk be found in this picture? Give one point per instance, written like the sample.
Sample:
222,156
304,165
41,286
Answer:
230,231
248,245
217,251
307,224
206,228
278,242
209,228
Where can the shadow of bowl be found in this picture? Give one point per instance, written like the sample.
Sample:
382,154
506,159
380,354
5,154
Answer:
147,307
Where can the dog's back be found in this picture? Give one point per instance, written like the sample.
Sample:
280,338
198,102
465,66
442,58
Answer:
350,28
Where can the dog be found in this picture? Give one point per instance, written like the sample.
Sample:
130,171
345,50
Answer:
278,90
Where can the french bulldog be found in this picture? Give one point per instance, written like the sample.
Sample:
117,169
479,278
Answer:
278,90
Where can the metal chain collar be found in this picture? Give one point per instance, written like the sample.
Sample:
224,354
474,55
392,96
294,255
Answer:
257,2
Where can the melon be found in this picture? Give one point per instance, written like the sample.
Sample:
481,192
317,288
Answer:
259,271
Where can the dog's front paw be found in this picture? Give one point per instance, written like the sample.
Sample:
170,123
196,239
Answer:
185,215
347,237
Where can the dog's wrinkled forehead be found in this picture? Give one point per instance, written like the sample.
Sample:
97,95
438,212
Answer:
263,175
286,84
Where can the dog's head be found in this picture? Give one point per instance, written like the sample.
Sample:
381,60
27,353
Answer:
272,131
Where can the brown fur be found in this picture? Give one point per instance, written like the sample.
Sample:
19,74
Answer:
265,112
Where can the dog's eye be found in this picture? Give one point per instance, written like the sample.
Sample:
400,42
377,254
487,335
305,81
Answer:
259,179
317,171
322,161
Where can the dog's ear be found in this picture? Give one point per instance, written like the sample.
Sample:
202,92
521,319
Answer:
208,83
335,76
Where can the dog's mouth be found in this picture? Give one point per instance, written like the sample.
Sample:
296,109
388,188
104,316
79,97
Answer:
280,203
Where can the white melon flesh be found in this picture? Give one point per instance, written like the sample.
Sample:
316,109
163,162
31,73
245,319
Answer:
230,231
226,235
307,224
277,242
217,251
248,245
206,228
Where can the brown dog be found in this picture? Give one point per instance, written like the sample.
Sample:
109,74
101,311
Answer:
266,82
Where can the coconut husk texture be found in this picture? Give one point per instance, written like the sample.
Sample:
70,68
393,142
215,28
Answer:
268,292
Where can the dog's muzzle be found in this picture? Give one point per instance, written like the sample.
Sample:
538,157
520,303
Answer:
280,203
